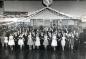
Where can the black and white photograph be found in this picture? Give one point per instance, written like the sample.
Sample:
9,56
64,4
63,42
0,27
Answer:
42,29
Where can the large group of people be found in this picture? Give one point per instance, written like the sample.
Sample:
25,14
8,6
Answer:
34,38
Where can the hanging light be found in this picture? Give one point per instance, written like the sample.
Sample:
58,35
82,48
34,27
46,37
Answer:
47,3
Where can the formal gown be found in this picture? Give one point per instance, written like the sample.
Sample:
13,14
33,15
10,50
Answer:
21,42
37,43
63,41
45,43
54,41
6,40
30,41
11,41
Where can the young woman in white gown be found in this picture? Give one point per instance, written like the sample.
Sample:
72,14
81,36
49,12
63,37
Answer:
6,41
21,41
11,42
63,42
37,42
54,42
45,43
30,41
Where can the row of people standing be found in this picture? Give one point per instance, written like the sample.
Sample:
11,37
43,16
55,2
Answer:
35,39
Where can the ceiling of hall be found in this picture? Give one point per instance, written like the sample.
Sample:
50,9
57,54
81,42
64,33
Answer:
41,0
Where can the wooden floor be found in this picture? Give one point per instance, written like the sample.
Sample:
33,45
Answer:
6,53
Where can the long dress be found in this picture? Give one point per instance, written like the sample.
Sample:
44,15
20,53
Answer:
63,41
21,42
54,41
45,43
11,41
30,41
5,40
37,43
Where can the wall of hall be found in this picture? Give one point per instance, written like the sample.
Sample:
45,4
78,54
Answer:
83,25
1,10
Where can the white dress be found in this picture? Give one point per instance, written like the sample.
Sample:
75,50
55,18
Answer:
6,40
37,43
11,41
45,43
30,41
54,41
20,42
63,41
